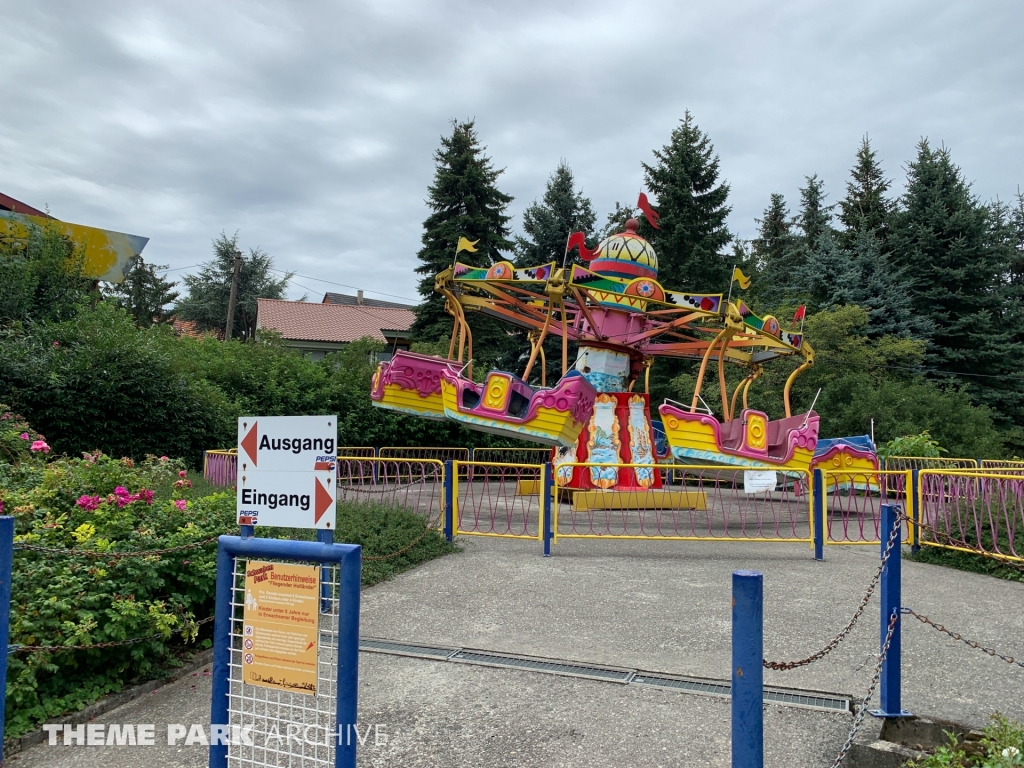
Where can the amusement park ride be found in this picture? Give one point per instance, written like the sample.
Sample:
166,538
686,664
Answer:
620,318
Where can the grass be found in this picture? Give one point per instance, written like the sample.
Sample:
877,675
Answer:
380,530
965,561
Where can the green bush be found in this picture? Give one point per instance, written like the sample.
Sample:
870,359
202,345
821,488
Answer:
98,382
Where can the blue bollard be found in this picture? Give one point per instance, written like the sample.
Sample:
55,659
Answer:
747,669
889,593
819,515
6,565
547,507
449,498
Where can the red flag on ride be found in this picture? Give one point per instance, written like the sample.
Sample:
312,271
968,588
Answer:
652,215
578,239
799,315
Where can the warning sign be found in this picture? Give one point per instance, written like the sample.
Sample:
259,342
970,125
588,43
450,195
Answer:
280,626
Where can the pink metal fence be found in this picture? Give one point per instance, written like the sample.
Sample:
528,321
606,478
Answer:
972,511
356,450
902,463
220,467
852,502
498,500
708,503
415,485
512,455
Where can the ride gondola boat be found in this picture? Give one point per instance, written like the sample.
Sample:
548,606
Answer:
506,405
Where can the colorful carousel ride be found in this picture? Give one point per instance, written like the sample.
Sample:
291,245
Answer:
620,319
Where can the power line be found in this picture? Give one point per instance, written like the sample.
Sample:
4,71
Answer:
343,285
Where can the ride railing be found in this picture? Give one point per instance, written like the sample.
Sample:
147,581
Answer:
852,503
462,455
416,484
367,451
1003,467
901,463
221,467
708,503
512,455
492,499
972,512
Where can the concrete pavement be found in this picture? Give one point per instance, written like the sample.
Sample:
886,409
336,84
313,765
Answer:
658,606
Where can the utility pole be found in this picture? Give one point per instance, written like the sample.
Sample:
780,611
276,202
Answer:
233,297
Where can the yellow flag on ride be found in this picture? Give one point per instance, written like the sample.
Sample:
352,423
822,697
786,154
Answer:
466,245
739,277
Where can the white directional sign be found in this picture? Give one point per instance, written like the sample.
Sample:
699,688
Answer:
287,443
286,499
286,471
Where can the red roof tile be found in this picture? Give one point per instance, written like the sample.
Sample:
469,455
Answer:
305,321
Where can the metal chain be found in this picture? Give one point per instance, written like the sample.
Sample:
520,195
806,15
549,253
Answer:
862,711
957,636
110,644
785,666
113,555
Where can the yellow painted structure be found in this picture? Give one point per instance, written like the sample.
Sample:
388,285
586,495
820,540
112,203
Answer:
106,255
548,424
398,398
583,501
699,437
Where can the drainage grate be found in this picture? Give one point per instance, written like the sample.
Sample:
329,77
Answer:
808,699
406,649
690,686
551,667
792,698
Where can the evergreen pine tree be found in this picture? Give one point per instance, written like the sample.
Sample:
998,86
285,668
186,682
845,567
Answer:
865,207
692,203
209,290
616,220
144,293
548,224
465,202
947,240
799,274
873,282
769,252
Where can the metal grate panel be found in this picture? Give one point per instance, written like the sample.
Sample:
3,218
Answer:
406,649
540,665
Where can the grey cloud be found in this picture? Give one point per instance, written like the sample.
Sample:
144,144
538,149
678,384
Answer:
310,127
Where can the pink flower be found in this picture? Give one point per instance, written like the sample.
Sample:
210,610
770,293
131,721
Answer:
121,491
145,495
40,445
182,473
88,503
164,458
1,506
56,344
24,436
181,504
185,562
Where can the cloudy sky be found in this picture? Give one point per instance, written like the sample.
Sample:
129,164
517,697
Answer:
309,127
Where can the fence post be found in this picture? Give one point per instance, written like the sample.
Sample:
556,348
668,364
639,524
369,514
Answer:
915,515
325,537
449,493
375,463
889,682
222,650
747,669
6,565
547,507
819,515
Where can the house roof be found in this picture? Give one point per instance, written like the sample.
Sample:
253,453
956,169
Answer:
344,298
304,321
8,203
